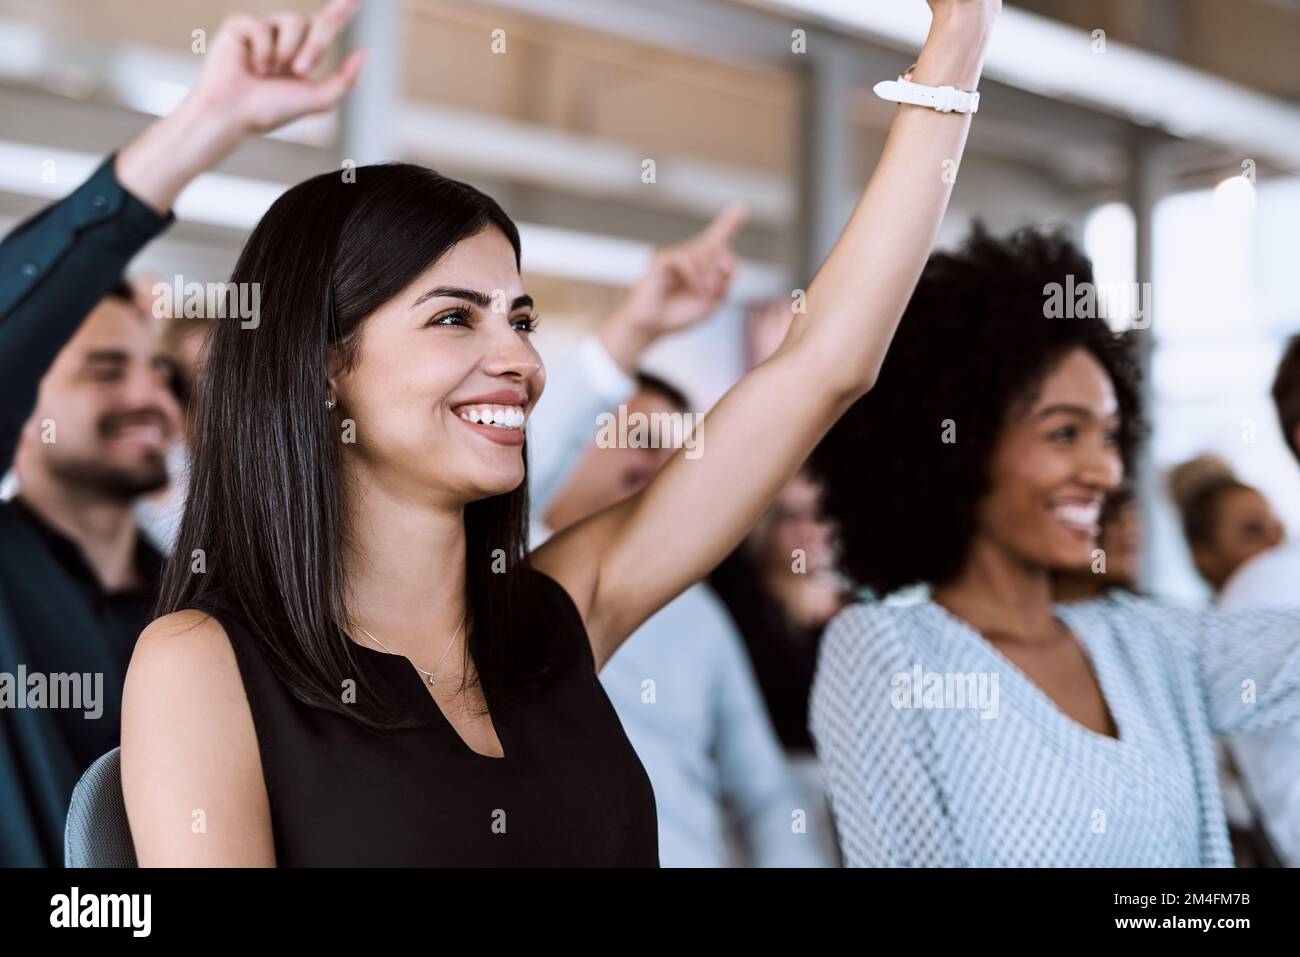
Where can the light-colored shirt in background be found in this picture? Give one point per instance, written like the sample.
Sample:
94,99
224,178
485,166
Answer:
682,684
1269,761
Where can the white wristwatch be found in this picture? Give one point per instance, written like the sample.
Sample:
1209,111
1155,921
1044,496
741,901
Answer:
945,99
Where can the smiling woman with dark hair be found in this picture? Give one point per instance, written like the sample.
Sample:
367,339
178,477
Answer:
358,662
987,725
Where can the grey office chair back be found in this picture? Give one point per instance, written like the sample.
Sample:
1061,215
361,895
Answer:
97,833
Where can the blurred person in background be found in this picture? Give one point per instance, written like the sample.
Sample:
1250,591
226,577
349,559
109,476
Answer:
1120,541
1269,762
1121,546
1225,521
159,514
721,784
601,372
77,575
686,694
89,408
781,585
989,725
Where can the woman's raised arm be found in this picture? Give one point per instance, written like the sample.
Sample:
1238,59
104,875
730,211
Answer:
623,564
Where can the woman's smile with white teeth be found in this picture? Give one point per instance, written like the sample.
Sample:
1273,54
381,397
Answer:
1078,514
500,416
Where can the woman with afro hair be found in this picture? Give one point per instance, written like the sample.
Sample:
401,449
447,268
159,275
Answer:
987,725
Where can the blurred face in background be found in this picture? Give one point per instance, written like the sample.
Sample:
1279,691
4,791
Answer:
792,522
106,413
1244,526
186,341
793,548
1121,539
604,477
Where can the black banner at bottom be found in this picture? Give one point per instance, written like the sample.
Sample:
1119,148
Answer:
376,906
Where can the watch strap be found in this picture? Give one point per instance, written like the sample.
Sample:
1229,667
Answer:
945,99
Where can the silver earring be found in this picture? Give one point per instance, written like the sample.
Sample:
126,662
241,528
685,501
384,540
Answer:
329,405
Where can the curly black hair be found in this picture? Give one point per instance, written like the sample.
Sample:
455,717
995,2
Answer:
974,339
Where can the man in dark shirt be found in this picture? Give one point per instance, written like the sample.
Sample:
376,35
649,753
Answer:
86,408
70,553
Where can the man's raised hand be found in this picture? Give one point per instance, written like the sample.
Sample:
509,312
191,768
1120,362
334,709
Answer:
255,78
257,72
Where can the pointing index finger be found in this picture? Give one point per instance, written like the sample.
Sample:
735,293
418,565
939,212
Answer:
727,224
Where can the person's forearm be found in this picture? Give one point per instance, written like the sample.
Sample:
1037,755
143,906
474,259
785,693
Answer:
860,292
625,339
683,284
57,266
562,427
953,52
171,152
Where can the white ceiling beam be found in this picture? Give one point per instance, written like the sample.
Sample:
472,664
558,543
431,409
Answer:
585,165
214,199
1058,61
713,31
238,202
612,261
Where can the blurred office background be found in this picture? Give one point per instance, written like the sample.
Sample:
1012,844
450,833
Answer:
1165,132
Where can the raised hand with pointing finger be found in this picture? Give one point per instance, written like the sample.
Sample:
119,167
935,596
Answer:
684,284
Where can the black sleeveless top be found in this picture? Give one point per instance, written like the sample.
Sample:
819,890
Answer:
570,790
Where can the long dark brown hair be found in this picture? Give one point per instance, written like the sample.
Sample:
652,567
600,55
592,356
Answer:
264,528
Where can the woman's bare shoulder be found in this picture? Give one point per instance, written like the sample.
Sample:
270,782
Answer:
189,746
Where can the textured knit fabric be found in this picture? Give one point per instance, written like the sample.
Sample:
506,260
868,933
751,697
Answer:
98,833
1269,761
920,777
